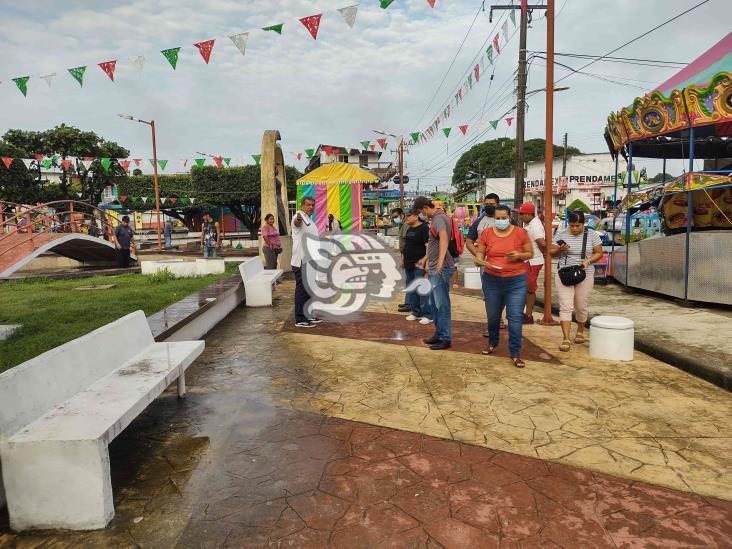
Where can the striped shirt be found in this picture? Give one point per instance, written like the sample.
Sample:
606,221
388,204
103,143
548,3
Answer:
574,256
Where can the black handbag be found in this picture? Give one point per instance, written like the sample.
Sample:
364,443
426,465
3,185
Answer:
571,275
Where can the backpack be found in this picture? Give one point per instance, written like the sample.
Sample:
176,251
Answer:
457,241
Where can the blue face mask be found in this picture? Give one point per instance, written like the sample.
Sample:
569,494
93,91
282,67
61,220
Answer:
503,224
397,221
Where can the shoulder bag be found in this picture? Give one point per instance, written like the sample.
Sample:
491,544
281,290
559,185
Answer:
571,275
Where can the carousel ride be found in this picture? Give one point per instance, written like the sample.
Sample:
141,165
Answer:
678,234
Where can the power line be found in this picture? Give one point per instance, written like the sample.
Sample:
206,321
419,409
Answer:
634,39
611,58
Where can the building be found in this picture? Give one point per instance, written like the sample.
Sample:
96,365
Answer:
367,159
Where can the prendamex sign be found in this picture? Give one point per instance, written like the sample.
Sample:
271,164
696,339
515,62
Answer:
562,183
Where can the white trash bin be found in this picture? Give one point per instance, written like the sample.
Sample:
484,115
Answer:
612,338
472,278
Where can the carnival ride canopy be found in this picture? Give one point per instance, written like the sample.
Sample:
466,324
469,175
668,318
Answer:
336,189
700,95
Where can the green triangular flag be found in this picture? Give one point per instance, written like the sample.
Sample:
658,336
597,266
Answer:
446,131
489,54
200,162
365,144
162,164
106,163
256,158
47,163
415,136
622,177
78,74
494,123
385,4
172,56
513,17
470,81
227,161
134,198
309,153
276,28
22,83
183,200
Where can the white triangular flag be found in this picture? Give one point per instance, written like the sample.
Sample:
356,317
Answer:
48,77
138,62
162,200
79,195
240,41
86,164
349,14
144,199
192,200
27,162
505,30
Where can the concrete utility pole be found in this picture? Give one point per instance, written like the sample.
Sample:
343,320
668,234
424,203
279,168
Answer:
518,189
401,173
564,159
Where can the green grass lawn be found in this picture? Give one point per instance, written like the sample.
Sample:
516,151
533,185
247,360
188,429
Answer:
52,312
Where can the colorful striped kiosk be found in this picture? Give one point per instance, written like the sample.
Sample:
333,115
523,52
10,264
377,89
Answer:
336,189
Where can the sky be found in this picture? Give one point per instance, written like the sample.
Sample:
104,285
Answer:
381,74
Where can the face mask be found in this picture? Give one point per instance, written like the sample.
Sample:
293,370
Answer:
490,210
422,217
503,224
397,221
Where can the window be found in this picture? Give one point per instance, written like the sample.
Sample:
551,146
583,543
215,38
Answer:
363,160
343,158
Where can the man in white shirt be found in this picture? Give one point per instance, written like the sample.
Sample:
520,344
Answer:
535,228
302,224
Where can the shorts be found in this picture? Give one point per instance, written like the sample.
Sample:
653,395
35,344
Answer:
532,280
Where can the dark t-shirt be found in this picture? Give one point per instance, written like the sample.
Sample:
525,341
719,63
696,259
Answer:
124,236
415,244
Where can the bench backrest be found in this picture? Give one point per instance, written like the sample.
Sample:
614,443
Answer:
32,388
251,268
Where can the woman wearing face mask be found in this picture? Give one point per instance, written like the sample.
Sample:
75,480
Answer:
502,251
568,246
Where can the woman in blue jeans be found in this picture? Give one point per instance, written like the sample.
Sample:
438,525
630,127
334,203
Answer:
503,250
413,259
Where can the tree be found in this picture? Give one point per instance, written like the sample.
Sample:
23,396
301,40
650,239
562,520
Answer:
577,204
177,186
17,183
65,141
659,178
497,158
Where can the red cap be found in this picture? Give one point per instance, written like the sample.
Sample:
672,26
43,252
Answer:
527,208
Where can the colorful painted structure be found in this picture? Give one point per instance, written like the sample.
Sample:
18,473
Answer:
687,117
337,189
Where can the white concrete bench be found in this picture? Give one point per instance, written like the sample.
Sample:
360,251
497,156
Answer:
258,282
60,410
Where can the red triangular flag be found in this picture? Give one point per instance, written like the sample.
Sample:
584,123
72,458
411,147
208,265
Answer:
39,157
173,199
108,67
382,142
66,164
476,70
312,23
205,48
372,147
328,149
137,161
7,162
299,156
463,128
125,164
496,43
336,150
509,120
219,162
431,3
122,198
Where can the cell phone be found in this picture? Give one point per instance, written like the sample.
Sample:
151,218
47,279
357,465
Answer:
561,242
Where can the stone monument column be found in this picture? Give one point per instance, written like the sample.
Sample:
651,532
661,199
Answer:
274,194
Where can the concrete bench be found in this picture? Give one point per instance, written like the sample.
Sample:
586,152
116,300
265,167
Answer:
258,282
60,410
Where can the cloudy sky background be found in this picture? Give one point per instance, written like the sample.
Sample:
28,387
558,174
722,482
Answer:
381,74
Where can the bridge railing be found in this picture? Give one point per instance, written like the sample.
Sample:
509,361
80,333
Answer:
61,216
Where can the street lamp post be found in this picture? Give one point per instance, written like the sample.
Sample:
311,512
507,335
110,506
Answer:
151,123
401,165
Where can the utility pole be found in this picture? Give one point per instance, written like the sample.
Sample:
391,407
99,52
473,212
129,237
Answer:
401,173
518,188
564,159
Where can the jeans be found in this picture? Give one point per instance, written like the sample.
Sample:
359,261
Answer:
509,292
209,251
441,313
168,241
420,304
301,296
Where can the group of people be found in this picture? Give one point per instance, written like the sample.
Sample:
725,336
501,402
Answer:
512,258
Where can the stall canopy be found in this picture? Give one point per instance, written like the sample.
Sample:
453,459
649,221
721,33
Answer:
337,190
657,124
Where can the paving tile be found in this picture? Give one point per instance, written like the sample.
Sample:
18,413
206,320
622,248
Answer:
452,533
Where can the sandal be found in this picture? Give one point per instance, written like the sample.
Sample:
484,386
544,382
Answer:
503,325
579,339
565,346
489,350
518,362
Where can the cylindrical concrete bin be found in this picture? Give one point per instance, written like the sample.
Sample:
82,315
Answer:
612,338
472,278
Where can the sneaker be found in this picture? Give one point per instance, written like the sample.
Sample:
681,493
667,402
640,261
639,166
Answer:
412,317
305,324
440,345
404,309
431,340
425,320
315,320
